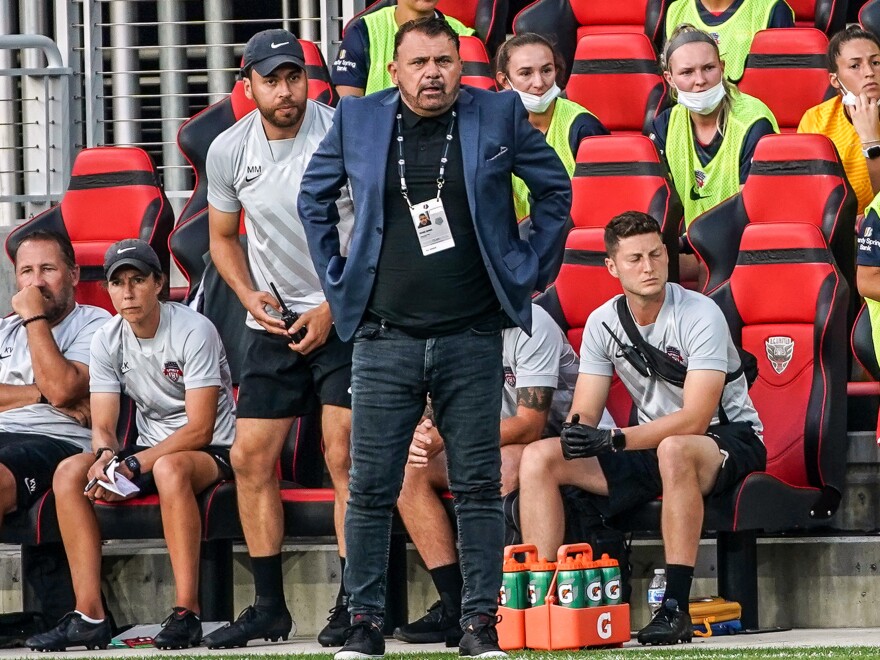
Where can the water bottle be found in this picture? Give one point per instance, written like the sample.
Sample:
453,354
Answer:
656,590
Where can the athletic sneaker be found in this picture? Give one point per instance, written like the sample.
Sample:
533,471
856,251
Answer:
72,630
363,639
440,624
480,638
333,633
257,621
669,626
180,630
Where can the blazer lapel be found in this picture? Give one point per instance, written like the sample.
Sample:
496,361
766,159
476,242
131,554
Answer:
384,134
469,136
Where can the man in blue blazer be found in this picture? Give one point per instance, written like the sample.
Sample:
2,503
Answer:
426,303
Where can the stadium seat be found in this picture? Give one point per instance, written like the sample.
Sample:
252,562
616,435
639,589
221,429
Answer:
826,15
617,78
869,16
114,193
476,69
565,22
583,284
486,17
785,303
794,178
787,70
616,173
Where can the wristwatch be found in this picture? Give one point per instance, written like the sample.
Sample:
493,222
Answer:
133,465
871,152
618,439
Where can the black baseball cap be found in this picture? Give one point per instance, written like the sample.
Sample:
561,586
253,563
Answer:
131,252
269,49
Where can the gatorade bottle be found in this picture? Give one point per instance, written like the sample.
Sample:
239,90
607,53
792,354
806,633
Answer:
570,583
540,576
656,590
593,584
514,585
610,580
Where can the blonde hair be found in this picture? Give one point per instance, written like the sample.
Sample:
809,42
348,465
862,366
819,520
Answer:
685,34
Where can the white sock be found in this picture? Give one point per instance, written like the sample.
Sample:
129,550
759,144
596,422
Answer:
88,619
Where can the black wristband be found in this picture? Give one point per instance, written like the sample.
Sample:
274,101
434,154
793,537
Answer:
100,452
38,317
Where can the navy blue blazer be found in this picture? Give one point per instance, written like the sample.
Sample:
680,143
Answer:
496,141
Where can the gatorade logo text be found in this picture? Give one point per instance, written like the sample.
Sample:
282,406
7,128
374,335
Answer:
603,625
566,594
612,589
594,591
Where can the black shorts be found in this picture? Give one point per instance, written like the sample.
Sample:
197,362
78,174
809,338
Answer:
32,460
277,382
147,483
634,476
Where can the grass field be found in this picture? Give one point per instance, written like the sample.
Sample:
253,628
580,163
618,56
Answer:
679,652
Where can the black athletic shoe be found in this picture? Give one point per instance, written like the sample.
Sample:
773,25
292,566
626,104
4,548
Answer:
72,630
480,639
256,622
363,639
440,624
180,630
669,626
333,633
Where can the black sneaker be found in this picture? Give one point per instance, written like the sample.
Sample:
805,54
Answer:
255,622
180,630
440,624
363,639
333,633
480,639
72,630
669,626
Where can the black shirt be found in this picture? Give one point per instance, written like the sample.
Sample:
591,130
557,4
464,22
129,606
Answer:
445,292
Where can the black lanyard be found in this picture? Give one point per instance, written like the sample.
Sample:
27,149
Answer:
401,162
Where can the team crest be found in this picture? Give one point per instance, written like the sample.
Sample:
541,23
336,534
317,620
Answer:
173,372
779,351
716,37
509,376
700,177
675,354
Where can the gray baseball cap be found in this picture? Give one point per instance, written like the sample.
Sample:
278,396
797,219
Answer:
269,49
131,252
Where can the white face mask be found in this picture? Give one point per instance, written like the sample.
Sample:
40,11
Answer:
848,98
538,104
705,102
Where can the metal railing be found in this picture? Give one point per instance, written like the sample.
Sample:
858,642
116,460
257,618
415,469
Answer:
35,139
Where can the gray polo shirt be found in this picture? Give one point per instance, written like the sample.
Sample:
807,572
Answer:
186,353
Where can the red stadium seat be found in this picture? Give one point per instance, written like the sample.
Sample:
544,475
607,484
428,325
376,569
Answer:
794,178
787,70
486,17
583,284
564,22
114,193
475,70
614,174
617,78
869,16
826,15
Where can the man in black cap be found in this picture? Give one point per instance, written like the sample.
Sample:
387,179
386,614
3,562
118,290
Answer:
257,165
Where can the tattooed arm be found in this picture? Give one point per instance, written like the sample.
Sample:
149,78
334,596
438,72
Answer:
532,409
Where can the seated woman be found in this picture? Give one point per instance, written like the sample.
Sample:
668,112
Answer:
529,65
708,138
169,360
732,23
850,119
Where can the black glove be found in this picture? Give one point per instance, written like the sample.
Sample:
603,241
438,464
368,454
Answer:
583,441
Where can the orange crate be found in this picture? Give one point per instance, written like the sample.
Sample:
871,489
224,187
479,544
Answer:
551,627
511,629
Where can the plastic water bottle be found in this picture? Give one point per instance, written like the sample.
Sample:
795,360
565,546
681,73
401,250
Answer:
656,590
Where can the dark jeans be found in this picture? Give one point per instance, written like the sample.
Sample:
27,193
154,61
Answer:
391,374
